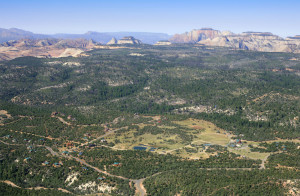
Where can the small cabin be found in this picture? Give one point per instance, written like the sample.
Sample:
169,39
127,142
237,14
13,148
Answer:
56,165
8,136
45,163
27,159
116,164
238,141
101,178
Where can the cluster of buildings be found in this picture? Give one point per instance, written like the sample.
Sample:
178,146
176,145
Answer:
236,143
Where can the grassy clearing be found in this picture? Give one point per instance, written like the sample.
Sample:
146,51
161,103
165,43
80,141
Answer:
159,141
247,153
203,132
210,134
168,142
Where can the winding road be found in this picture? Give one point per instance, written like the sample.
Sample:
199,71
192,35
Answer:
138,183
33,188
140,189
98,138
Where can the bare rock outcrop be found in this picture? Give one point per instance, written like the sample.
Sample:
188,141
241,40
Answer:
112,41
163,43
129,40
257,41
265,42
195,35
124,40
45,48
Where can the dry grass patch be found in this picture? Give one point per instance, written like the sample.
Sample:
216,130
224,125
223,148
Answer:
247,153
210,133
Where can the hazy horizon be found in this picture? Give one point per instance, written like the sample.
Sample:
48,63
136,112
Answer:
170,17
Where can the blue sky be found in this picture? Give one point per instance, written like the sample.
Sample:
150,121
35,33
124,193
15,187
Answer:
167,16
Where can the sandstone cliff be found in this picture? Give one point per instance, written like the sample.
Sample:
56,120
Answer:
112,41
257,41
265,42
124,40
195,36
129,40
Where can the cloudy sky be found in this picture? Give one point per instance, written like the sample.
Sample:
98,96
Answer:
167,16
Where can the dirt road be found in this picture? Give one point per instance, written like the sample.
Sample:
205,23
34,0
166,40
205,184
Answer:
33,188
140,189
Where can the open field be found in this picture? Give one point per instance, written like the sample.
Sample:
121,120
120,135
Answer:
204,135
169,141
210,134
247,153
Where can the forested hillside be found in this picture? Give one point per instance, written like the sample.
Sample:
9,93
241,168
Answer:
182,119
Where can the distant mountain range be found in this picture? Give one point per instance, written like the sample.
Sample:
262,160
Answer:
257,41
16,34
147,38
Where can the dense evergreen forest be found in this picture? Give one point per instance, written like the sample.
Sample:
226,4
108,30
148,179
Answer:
220,122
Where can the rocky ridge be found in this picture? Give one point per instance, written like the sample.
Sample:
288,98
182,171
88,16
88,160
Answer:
45,48
195,35
112,41
124,40
257,41
100,37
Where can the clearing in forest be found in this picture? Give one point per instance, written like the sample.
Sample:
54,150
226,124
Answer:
186,138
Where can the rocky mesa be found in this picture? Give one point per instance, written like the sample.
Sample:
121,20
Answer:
195,35
124,40
257,41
